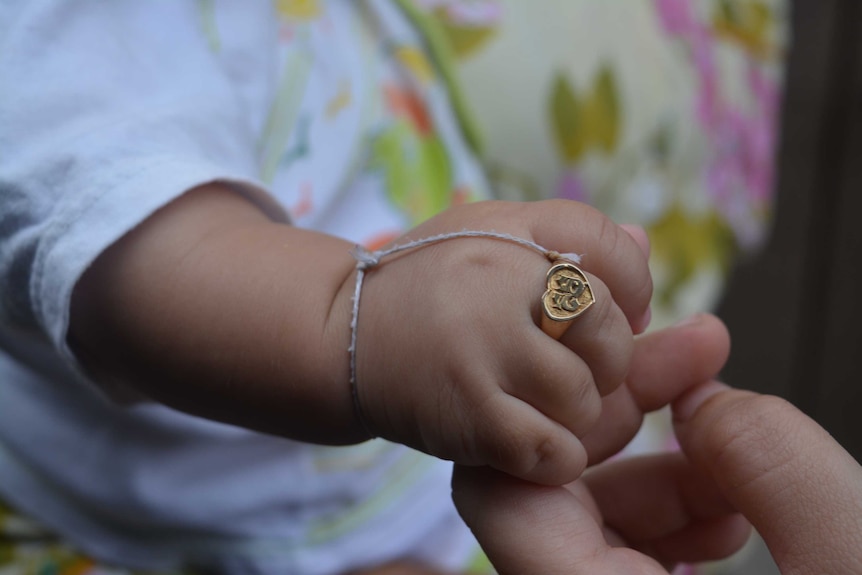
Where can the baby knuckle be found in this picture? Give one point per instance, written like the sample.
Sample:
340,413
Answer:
522,455
587,406
556,458
498,449
515,448
642,286
615,352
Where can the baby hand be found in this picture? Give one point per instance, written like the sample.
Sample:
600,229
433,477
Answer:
451,358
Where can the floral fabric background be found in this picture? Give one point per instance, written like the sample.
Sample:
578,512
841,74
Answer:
658,112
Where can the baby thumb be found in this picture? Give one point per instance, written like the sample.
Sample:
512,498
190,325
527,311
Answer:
799,488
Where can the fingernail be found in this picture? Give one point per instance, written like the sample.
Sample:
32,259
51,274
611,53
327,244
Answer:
685,407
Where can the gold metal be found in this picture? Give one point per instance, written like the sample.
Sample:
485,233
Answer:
568,295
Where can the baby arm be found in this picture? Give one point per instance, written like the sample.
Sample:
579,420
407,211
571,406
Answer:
212,308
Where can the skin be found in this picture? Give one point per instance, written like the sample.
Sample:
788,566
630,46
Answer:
797,485
744,455
264,310
504,512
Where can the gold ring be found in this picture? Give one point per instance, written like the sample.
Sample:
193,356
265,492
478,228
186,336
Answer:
568,295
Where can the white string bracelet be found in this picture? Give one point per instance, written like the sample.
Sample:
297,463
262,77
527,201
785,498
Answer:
368,260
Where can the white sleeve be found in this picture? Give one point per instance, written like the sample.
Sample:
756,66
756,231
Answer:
108,111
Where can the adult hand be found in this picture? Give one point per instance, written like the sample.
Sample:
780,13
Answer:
752,453
797,485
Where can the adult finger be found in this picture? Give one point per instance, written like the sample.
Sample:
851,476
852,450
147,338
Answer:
664,365
799,488
663,506
526,528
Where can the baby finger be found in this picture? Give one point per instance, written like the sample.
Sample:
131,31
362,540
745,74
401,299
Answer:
512,436
556,382
601,335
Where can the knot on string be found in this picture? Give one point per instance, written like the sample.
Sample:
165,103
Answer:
576,258
364,258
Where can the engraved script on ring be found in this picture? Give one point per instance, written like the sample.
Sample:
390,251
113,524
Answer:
568,293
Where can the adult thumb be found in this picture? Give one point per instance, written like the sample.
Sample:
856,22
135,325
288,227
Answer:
799,488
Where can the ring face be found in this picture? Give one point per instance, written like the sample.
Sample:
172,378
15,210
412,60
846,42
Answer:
569,293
